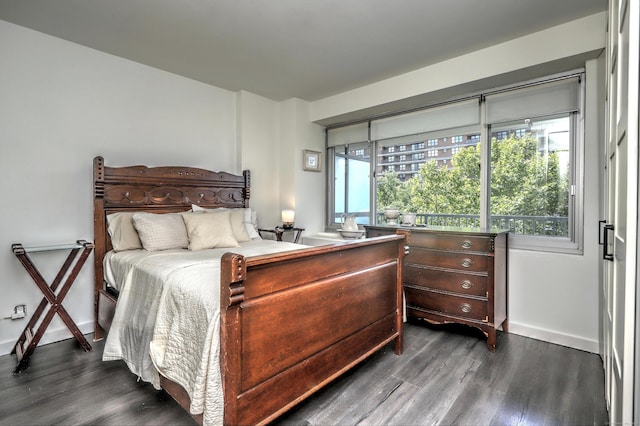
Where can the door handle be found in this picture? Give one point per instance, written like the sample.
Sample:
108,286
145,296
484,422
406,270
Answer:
600,223
605,254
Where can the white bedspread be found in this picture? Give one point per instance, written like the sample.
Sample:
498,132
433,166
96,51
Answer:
168,315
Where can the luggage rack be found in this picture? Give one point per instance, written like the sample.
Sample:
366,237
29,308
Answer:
28,340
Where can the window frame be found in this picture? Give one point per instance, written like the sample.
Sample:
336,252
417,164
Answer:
574,244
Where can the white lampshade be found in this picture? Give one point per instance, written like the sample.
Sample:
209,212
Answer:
288,216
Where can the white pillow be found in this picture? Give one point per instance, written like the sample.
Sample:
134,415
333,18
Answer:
241,222
123,235
161,231
252,225
209,230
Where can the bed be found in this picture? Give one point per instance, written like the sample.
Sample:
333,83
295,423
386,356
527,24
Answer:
289,321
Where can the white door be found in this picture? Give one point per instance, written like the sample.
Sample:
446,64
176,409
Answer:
620,234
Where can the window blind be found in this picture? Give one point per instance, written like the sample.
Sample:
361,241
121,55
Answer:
556,97
458,114
348,134
422,137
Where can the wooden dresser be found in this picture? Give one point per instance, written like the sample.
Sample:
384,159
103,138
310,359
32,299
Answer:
455,275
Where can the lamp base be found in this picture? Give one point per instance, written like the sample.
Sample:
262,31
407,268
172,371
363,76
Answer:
287,225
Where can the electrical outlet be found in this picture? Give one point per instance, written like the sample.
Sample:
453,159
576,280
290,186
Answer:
19,311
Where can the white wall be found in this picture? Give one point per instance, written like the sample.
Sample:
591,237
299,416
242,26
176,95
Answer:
552,297
61,104
301,190
258,138
272,137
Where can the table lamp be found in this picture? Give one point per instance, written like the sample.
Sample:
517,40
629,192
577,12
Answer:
287,218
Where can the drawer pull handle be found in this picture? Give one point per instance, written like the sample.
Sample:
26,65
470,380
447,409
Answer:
466,262
465,307
466,284
466,244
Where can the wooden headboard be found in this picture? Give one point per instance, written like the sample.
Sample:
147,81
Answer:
158,190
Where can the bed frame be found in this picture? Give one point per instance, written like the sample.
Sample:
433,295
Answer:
290,322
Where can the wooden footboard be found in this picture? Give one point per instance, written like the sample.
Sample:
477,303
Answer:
292,322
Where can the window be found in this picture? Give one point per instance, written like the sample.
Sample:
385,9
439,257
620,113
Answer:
351,180
530,177
521,133
533,133
516,165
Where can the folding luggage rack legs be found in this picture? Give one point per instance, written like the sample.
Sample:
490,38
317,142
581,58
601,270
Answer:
28,340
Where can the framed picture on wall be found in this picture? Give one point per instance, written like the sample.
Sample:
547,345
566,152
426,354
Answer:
311,161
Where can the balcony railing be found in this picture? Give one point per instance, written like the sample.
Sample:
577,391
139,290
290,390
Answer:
555,226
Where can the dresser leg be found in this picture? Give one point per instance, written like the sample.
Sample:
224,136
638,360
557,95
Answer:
505,326
491,339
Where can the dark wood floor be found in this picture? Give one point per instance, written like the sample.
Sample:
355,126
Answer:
443,378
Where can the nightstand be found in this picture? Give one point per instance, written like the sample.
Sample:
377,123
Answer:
279,231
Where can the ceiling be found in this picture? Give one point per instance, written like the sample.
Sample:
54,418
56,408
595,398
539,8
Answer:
282,49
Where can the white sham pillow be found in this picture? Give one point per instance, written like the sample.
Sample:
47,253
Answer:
209,230
241,222
161,231
122,232
252,225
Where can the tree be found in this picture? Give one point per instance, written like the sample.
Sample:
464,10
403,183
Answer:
524,181
465,176
391,192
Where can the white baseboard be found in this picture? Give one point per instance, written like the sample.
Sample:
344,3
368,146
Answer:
50,336
550,336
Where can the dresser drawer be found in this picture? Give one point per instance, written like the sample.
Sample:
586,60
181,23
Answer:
446,304
457,282
447,259
451,242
